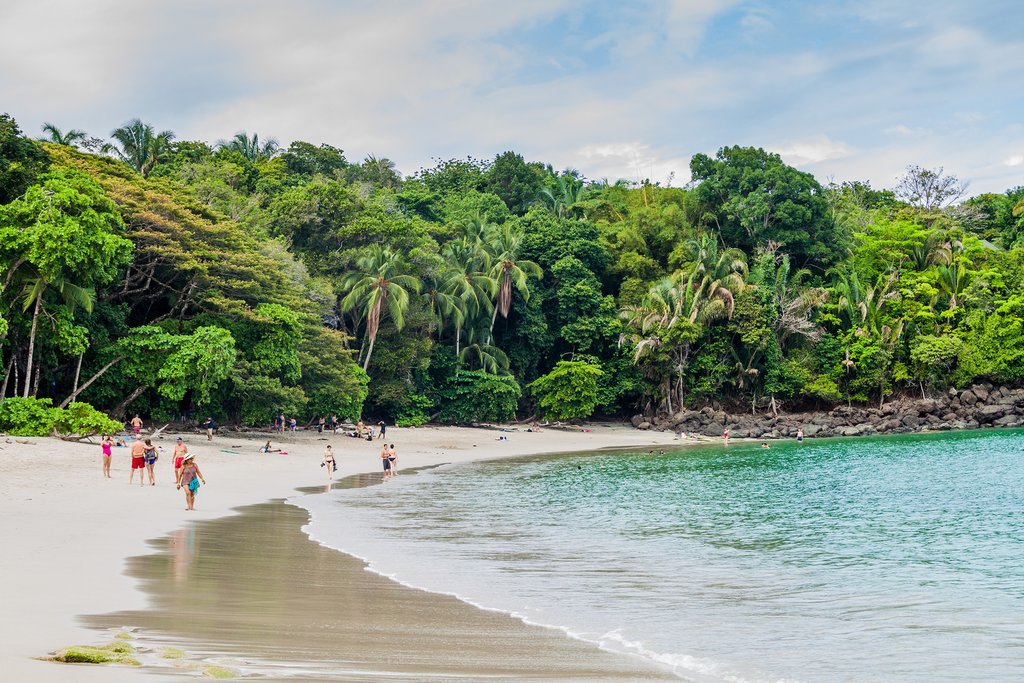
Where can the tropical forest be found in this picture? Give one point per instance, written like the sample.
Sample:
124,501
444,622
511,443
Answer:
241,278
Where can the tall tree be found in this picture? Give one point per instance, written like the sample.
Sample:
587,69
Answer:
504,243
378,286
70,138
250,146
21,160
139,146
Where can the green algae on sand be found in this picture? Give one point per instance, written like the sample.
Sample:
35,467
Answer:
117,652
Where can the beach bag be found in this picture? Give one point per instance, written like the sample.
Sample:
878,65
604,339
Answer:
193,485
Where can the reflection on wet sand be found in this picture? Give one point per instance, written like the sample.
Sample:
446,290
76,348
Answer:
255,588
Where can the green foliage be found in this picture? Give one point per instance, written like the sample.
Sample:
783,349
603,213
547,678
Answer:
21,160
752,197
27,416
569,391
38,417
477,396
197,362
83,420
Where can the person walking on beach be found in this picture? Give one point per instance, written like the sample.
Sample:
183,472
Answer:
136,425
329,462
189,477
180,451
385,457
294,424
281,423
150,455
320,425
383,429
209,426
393,459
138,461
107,448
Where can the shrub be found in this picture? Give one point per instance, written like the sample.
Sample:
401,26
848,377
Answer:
36,417
27,416
569,391
477,396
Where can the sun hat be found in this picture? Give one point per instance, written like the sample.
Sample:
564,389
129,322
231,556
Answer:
188,457
178,439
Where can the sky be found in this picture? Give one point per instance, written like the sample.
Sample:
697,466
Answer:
630,89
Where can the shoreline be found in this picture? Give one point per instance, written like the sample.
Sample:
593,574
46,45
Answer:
275,613
68,532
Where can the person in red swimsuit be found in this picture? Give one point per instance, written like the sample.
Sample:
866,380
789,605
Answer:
138,461
180,451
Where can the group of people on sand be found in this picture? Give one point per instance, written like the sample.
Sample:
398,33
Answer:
144,456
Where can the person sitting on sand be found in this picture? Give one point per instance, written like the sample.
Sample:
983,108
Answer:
120,442
180,451
106,447
190,476
138,461
329,462
266,448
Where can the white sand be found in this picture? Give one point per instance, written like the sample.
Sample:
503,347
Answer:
66,531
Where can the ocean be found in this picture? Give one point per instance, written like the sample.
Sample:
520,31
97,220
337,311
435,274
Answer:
869,559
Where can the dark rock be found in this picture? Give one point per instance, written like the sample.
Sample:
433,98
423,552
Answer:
949,417
968,398
636,420
912,421
925,406
989,413
981,391
644,425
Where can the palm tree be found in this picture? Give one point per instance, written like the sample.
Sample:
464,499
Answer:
380,171
932,251
486,357
795,303
713,273
140,147
251,147
376,287
670,317
567,190
33,292
469,282
69,139
953,281
504,244
444,305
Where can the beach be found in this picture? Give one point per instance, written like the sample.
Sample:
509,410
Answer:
68,533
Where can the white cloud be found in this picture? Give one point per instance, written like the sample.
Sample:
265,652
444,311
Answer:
812,150
1015,160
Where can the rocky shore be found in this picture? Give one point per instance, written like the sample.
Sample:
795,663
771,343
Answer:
980,406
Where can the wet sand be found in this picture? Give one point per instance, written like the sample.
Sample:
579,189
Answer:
255,593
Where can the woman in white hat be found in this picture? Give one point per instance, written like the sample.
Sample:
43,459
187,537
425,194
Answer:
190,476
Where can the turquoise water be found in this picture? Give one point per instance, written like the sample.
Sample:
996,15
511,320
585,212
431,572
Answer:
888,559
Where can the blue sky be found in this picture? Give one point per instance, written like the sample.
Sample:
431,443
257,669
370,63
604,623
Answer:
845,90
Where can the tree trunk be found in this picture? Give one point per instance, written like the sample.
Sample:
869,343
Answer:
78,374
494,316
458,339
118,412
35,382
775,407
92,379
7,376
32,344
369,352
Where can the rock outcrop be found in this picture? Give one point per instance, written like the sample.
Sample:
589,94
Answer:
982,405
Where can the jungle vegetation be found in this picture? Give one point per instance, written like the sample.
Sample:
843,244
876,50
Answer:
143,273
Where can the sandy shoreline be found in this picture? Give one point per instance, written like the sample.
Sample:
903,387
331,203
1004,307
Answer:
67,532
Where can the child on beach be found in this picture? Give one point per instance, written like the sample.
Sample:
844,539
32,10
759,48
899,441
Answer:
150,455
329,462
138,461
106,446
191,476
267,449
